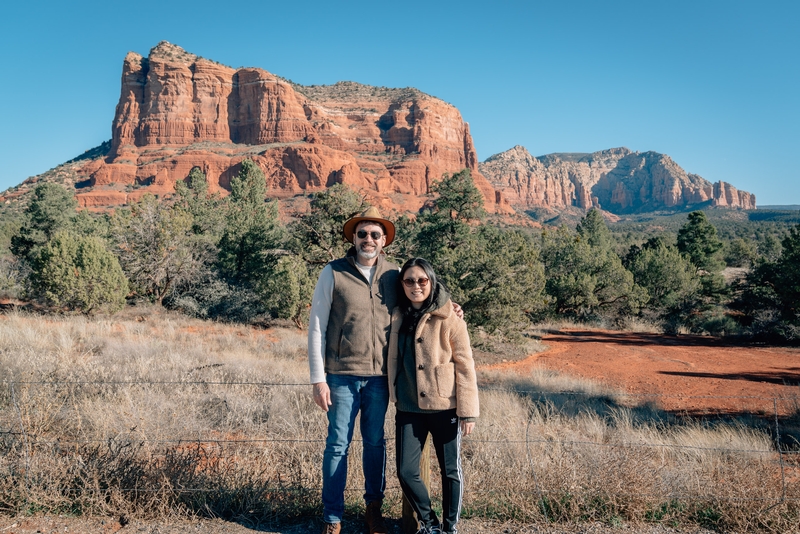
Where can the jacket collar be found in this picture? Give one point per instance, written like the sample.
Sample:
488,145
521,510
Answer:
444,311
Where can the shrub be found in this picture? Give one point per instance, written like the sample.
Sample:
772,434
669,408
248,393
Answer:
287,291
78,273
156,248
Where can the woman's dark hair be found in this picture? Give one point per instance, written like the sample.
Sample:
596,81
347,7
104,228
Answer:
402,300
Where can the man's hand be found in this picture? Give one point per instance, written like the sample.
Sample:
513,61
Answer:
458,311
467,427
322,395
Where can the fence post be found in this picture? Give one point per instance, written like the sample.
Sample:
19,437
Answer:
410,524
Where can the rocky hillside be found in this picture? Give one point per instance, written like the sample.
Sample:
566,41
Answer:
177,111
617,180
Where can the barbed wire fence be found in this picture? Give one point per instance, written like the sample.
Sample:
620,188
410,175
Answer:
284,468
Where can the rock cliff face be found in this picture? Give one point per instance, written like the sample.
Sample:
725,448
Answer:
616,180
177,111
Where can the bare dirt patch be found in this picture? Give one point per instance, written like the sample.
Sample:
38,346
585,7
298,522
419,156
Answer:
688,374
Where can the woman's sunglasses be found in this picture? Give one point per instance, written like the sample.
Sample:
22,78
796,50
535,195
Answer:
411,282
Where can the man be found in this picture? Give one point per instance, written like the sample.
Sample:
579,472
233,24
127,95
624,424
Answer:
347,338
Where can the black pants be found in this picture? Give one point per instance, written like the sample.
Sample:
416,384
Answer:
412,431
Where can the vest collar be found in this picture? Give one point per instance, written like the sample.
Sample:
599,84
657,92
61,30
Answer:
352,254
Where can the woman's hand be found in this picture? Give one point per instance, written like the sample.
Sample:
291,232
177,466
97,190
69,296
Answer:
467,427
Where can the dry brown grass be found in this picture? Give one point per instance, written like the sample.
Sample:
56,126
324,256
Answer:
151,414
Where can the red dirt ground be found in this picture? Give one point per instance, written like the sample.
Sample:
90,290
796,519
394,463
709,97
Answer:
690,374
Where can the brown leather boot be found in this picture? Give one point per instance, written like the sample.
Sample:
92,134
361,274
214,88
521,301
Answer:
374,519
331,528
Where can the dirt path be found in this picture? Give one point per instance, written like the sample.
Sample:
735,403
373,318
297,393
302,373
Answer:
61,525
690,374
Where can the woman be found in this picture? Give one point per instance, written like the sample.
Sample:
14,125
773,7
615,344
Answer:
433,385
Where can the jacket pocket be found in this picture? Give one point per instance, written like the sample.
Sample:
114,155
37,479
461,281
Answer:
345,347
445,379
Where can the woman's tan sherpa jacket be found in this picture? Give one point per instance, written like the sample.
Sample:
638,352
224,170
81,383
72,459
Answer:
445,368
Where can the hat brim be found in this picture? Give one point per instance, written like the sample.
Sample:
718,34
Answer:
350,226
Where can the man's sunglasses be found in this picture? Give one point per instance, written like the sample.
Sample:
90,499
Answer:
362,234
411,282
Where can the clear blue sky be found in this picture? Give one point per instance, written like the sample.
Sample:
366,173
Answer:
714,84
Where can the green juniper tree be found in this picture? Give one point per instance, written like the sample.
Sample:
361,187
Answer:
317,237
253,237
78,273
740,253
208,215
62,255
288,290
51,209
593,229
253,254
585,277
770,248
495,274
155,249
698,241
450,220
771,296
670,279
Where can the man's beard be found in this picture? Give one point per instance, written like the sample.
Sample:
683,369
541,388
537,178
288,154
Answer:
367,255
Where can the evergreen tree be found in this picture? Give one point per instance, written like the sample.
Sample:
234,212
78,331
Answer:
770,248
585,280
740,253
317,237
155,248
208,216
671,282
406,239
771,296
698,241
51,209
287,291
499,277
494,274
592,228
447,222
253,236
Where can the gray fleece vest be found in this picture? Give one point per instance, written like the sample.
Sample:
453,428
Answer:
360,318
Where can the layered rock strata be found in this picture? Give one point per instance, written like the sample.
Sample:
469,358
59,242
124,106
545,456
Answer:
178,111
617,180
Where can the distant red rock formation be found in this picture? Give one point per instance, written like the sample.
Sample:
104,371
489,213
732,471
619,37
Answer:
178,111
616,180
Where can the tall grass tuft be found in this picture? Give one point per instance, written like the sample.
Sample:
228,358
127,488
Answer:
152,415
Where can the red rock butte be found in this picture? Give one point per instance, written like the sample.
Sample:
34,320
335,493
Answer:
178,111
616,180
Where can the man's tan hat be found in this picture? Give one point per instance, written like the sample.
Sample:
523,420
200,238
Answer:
371,214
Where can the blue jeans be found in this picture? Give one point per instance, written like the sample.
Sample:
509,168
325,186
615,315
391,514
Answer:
349,395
